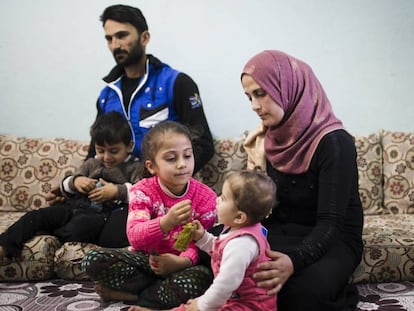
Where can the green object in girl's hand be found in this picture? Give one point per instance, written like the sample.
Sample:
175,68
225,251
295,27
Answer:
184,238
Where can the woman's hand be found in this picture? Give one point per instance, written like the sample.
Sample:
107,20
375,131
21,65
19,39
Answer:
168,263
178,214
273,274
107,192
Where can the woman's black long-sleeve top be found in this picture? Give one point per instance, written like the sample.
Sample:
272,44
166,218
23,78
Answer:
319,208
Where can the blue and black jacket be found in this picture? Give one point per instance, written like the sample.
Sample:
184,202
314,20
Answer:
162,94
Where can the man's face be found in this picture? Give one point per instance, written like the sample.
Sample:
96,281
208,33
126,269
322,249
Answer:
124,42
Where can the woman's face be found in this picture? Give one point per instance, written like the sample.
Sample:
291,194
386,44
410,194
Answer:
270,112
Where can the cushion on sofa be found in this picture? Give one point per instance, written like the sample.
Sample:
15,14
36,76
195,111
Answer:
388,254
36,262
398,172
30,167
229,157
369,161
68,260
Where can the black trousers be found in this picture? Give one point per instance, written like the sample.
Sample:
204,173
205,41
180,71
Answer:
322,285
68,223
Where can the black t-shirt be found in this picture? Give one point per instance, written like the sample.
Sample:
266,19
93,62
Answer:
128,86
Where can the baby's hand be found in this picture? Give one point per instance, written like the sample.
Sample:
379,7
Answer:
179,214
198,230
107,192
191,305
84,184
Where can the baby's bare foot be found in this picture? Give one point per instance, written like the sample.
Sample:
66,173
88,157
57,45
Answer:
108,294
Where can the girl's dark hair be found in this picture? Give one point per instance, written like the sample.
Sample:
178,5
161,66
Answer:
125,14
153,138
254,193
110,128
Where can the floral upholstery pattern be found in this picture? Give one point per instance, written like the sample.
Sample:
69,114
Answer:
369,162
229,157
388,254
29,167
68,258
35,263
398,161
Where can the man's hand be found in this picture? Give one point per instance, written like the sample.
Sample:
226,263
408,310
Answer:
55,196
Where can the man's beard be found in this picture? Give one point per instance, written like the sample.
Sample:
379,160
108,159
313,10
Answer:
131,58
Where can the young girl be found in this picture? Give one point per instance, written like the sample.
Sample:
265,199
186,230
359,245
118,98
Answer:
247,198
152,272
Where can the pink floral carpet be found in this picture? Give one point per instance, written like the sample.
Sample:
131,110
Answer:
59,295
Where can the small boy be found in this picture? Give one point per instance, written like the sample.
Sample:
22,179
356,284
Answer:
80,211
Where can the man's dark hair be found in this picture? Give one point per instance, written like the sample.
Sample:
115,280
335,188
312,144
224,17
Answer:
111,128
125,14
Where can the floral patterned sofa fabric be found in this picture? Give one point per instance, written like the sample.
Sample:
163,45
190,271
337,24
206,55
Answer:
29,167
369,162
398,159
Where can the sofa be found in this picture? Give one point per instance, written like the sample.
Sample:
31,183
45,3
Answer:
30,167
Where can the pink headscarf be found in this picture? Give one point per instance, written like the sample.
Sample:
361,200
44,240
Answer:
291,83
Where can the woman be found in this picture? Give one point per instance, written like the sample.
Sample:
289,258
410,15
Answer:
315,232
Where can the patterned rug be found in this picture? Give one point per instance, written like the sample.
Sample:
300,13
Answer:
59,295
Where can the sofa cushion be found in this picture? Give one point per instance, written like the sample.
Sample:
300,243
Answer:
369,161
388,249
36,262
229,157
68,260
30,167
398,161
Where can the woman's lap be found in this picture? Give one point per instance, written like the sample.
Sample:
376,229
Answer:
323,285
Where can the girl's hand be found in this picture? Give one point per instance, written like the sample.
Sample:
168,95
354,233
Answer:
84,184
168,263
107,192
273,274
178,214
198,230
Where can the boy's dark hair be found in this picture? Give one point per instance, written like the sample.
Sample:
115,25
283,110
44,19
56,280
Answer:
125,14
151,141
254,193
110,128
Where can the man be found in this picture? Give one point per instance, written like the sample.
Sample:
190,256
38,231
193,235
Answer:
145,90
